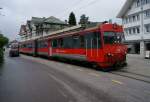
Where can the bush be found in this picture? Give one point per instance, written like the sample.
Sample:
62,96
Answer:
1,54
3,42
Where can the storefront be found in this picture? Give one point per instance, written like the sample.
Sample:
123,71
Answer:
133,47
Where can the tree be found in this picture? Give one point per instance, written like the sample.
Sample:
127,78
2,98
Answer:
3,41
72,19
84,19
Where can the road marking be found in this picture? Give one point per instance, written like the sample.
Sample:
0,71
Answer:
147,92
62,93
79,69
94,74
116,81
68,66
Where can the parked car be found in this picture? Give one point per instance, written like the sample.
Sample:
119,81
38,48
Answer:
14,50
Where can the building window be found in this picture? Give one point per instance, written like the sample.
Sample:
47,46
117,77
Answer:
138,29
126,20
138,3
147,14
137,17
145,2
147,28
133,30
133,17
130,31
126,31
130,19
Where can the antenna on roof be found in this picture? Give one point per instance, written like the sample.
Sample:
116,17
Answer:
110,21
104,22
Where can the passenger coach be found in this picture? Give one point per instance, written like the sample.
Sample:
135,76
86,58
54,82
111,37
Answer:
101,45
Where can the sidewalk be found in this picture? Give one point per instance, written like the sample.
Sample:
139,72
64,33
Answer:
138,65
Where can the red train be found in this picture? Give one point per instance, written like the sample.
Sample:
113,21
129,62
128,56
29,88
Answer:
101,45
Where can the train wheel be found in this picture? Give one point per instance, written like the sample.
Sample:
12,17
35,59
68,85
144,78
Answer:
96,66
106,69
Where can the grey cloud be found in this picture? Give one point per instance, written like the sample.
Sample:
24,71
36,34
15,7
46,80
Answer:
18,11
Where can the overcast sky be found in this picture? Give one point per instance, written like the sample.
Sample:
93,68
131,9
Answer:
16,12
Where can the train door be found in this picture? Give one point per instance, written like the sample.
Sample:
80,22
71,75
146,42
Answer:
50,47
35,47
93,44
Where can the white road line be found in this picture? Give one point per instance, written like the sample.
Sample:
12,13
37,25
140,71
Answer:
118,82
68,66
94,74
62,93
148,92
79,69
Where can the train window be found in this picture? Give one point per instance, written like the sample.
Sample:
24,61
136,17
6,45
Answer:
54,43
93,40
76,41
88,38
113,37
29,45
82,41
45,44
96,40
61,42
42,44
39,44
67,42
24,45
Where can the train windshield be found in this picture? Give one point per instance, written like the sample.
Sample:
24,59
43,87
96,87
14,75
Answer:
113,37
14,46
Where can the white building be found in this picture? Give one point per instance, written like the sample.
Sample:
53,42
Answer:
135,16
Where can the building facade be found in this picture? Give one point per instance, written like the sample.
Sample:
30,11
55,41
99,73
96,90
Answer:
135,16
38,27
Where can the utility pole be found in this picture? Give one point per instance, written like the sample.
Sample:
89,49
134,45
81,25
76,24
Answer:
142,43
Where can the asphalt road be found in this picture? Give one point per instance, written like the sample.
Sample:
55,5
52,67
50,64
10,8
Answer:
28,79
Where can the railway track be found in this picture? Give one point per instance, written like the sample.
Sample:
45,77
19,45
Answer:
121,72
132,75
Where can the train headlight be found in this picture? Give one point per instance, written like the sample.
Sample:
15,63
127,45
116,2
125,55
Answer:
109,54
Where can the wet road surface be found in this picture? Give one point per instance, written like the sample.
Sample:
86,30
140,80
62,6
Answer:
28,79
23,81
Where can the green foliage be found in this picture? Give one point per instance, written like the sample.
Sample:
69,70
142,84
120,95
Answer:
1,53
84,19
3,41
72,19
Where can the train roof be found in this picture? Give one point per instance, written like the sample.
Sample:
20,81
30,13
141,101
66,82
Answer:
73,30
69,32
